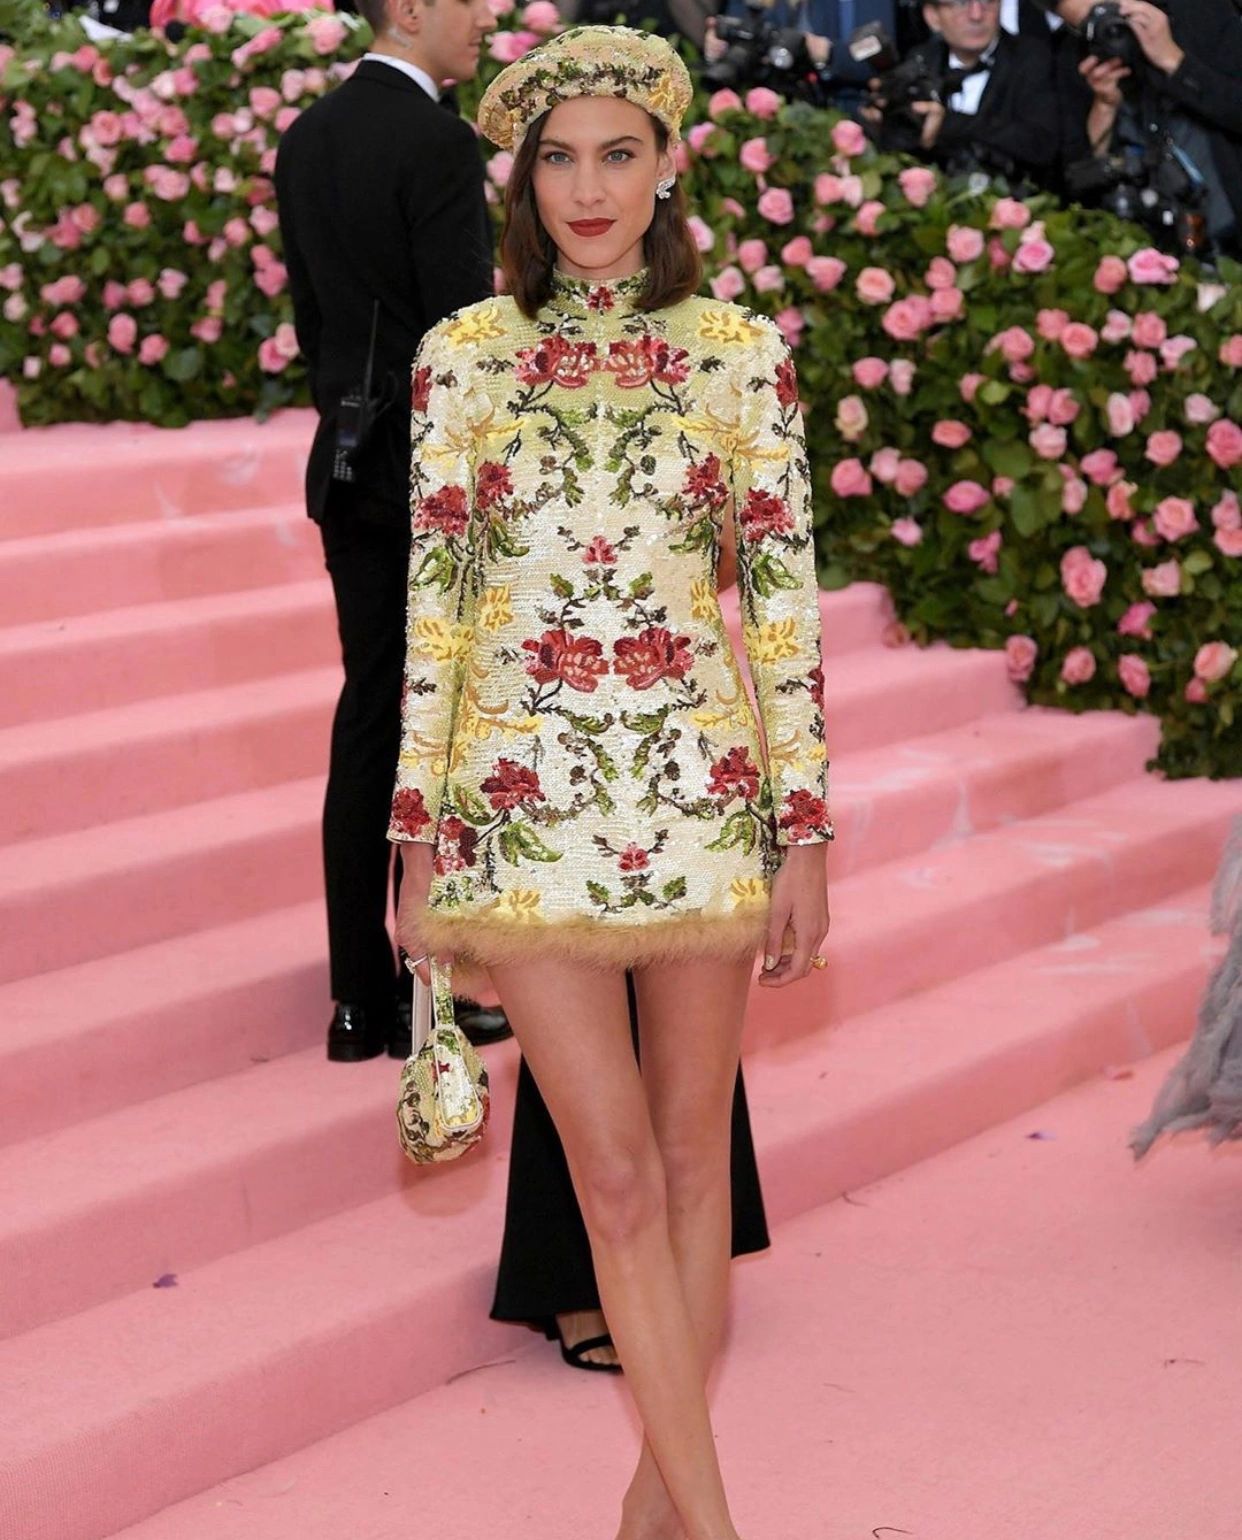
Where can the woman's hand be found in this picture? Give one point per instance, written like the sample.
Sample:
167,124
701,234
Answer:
416,861
800,904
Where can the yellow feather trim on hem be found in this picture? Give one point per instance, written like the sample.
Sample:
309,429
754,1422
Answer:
487,938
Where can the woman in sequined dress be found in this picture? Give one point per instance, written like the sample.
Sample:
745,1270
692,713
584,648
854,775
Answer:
583,785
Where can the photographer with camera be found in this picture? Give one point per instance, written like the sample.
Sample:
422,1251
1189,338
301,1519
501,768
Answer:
973,97
1152,108
385,230
797,47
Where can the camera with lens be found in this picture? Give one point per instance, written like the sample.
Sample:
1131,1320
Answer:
1153,185
902,82
1107,34
759,54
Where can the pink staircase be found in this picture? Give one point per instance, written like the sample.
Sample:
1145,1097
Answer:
1017,906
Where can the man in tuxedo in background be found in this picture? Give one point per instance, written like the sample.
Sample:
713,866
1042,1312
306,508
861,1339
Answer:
385,229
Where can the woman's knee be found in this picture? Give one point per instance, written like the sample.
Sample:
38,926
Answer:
695,1163
622,1192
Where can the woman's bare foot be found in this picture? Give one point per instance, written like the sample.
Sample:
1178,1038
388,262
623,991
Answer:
578,1326
657,1522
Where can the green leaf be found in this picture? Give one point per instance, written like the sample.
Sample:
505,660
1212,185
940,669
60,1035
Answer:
674,889
184,364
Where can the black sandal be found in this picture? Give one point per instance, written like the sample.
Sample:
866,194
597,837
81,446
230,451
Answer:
575,1356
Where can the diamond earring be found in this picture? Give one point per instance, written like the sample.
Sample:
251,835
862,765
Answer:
665,189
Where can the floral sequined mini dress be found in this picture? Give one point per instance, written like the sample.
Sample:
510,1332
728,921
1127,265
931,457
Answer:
577,740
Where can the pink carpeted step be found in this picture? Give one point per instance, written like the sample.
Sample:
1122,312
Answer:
960,907
85,1041
266,1350
76,572
81,771
78,896
88,662
889,804
81,475
1022,1339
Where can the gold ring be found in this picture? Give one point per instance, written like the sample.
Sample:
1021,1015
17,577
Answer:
819,961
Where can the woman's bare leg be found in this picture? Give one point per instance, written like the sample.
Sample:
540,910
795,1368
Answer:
690,1023
572,1024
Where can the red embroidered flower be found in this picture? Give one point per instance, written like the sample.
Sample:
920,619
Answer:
786,383
511,785
455,844
600,298
599,553
409,812
636,361
633,859
421,389
703,483
556,359
816,681
805,817
492,482
445,510
561,655
652,655
672,365
764,514
736,775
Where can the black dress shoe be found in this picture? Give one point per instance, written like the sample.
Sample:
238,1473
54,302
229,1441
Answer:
356,1033
481,1024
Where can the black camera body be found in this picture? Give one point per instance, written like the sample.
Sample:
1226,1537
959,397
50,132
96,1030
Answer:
759,54
1108,35
1151,185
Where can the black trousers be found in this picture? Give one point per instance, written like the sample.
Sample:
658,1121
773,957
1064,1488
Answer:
368,561
545,1257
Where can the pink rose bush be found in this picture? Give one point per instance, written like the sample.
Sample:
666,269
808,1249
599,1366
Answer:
1024,421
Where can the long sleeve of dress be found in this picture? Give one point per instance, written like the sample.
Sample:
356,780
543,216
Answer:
778,590
441,582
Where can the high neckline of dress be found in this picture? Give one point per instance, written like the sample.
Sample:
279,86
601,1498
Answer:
595,296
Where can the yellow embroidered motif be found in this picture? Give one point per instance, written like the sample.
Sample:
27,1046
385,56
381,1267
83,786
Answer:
727,325
520,904
477,323
774,642
748,892
703,602
495,608
440,640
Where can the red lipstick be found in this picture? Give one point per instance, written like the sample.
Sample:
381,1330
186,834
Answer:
590,227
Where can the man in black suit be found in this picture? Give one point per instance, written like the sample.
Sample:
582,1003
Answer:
385,231
1186,87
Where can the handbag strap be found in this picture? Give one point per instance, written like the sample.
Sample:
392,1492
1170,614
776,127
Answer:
442,995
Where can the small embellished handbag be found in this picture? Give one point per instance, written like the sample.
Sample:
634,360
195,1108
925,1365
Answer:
443,1101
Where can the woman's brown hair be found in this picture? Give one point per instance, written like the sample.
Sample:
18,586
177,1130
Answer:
528,253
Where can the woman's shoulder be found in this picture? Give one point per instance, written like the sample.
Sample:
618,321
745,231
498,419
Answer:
721,324
471,330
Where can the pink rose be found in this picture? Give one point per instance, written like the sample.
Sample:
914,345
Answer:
137,216
906,319
1228,542
141,291
1073,492
208,329
1016,345
1118,500
728,283
152,350
1101,467
1175,518
63,291
1195,692
1227,513
799,251
850,479
884,465
966,497
1164,448
541,16
1224,443
721,102
907,532
1082,576
874,286
848,137
1231,351
998,256
776,204
1051,323
699,135
64,325
270,280
852,418
1063,408
1117,327
1009,214
1137,621
1135,675
1164,581
755,157
964,244
1214,660
752,255
1049,443
870,373
947,305
1149,329
1020,655
968,386
867,220
326,34
1200,410
825,272
901,374
1140,405
918,183
1002,486
762,103
1175,349
1110,275
941,274
1120,415
1079,340
829,188
1141,367
791,323
59,356
116,186
769,279
986,551
949,433
1151,266
704,237
1033,257
1079,665
911,477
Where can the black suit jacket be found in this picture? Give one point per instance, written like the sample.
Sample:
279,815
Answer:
1018,113
380,195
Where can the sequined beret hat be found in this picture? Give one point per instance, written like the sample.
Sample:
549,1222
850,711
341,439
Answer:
586,61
